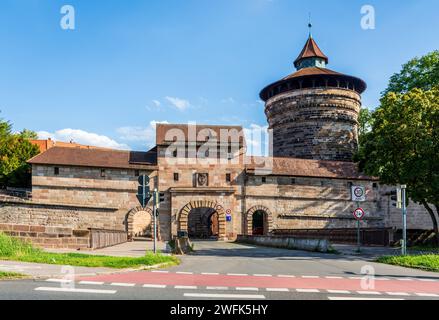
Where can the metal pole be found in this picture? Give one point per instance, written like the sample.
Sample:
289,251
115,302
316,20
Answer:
404,220
358,232
155,219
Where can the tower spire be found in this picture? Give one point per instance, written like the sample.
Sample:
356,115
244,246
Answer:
310,25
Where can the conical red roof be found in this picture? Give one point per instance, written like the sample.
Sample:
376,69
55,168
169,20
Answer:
311,50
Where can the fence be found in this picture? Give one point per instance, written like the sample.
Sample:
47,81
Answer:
101,238
372,237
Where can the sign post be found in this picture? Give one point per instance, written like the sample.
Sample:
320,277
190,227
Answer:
155,206
359,216
404,219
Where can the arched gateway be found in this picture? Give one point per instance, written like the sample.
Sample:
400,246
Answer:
259,221
203,219
139,223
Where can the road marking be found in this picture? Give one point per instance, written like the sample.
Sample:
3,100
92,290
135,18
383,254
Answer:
262,275
92,283
428,295
428,280
334,277
159,271
246,289
286,276
59,280
182,272
278,290
310,277
118,284
210,274
339,291
223,296
361,299
404,279
405,294
186,287
50,289
307,290
372,293
356,278
383,279
218,288
154,286
237,274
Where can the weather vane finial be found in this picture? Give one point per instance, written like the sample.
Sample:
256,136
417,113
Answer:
310,26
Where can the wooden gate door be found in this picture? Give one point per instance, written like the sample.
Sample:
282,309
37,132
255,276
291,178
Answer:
214,225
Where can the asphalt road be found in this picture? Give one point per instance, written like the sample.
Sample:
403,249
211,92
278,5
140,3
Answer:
238,272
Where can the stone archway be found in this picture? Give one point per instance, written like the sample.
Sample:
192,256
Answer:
268,222
183,220
131,226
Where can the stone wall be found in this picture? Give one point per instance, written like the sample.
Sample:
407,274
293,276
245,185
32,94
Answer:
320,123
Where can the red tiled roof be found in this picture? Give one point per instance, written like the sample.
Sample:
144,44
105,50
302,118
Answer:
312,71
306,168
200,132
96,158
310,50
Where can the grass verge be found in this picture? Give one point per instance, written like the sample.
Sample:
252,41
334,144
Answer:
428,262
11,276
17,250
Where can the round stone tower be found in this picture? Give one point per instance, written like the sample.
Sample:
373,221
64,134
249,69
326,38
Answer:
313,113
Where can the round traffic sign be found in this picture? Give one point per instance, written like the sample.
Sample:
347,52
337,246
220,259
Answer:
229,211
359,214
359,192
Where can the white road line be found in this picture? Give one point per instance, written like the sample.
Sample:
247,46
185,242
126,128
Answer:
223,296
361,299
159,271
383,279
186,287
402,294
286,276
427,295
427,280
92,283
182,272
246,289
154,286
59,280
50,289
262,275
307,290
237,274
339,291
356,278
210,274
371,293
218,288
278,290
404,279
334,277
310,277
119,284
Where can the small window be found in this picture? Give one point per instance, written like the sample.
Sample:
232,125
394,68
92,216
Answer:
293,181
228,177
174,154
137,173
103,173
176,177
56,171
264,179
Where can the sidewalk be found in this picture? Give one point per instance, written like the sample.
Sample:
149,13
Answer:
38,270
133,249
368,253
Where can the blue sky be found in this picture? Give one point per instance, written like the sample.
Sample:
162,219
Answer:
131,63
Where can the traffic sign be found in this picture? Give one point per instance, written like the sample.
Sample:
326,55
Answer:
359,214
358,194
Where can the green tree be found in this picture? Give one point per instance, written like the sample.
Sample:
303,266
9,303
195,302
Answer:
365,120
403,146
421,73
15,151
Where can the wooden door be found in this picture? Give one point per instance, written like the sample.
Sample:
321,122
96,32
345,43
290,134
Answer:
214,225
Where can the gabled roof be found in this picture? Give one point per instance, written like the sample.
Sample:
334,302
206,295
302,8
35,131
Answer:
111,159
312,71
294,167
310,50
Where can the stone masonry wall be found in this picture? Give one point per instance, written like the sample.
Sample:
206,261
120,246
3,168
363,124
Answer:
320,124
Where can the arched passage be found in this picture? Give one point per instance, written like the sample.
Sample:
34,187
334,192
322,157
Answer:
139,223
263,219
210,214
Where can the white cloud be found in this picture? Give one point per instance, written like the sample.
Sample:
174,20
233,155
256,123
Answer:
145,135
179,103
157,103
82,137
228,100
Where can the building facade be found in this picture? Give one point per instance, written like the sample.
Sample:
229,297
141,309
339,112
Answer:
212,188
